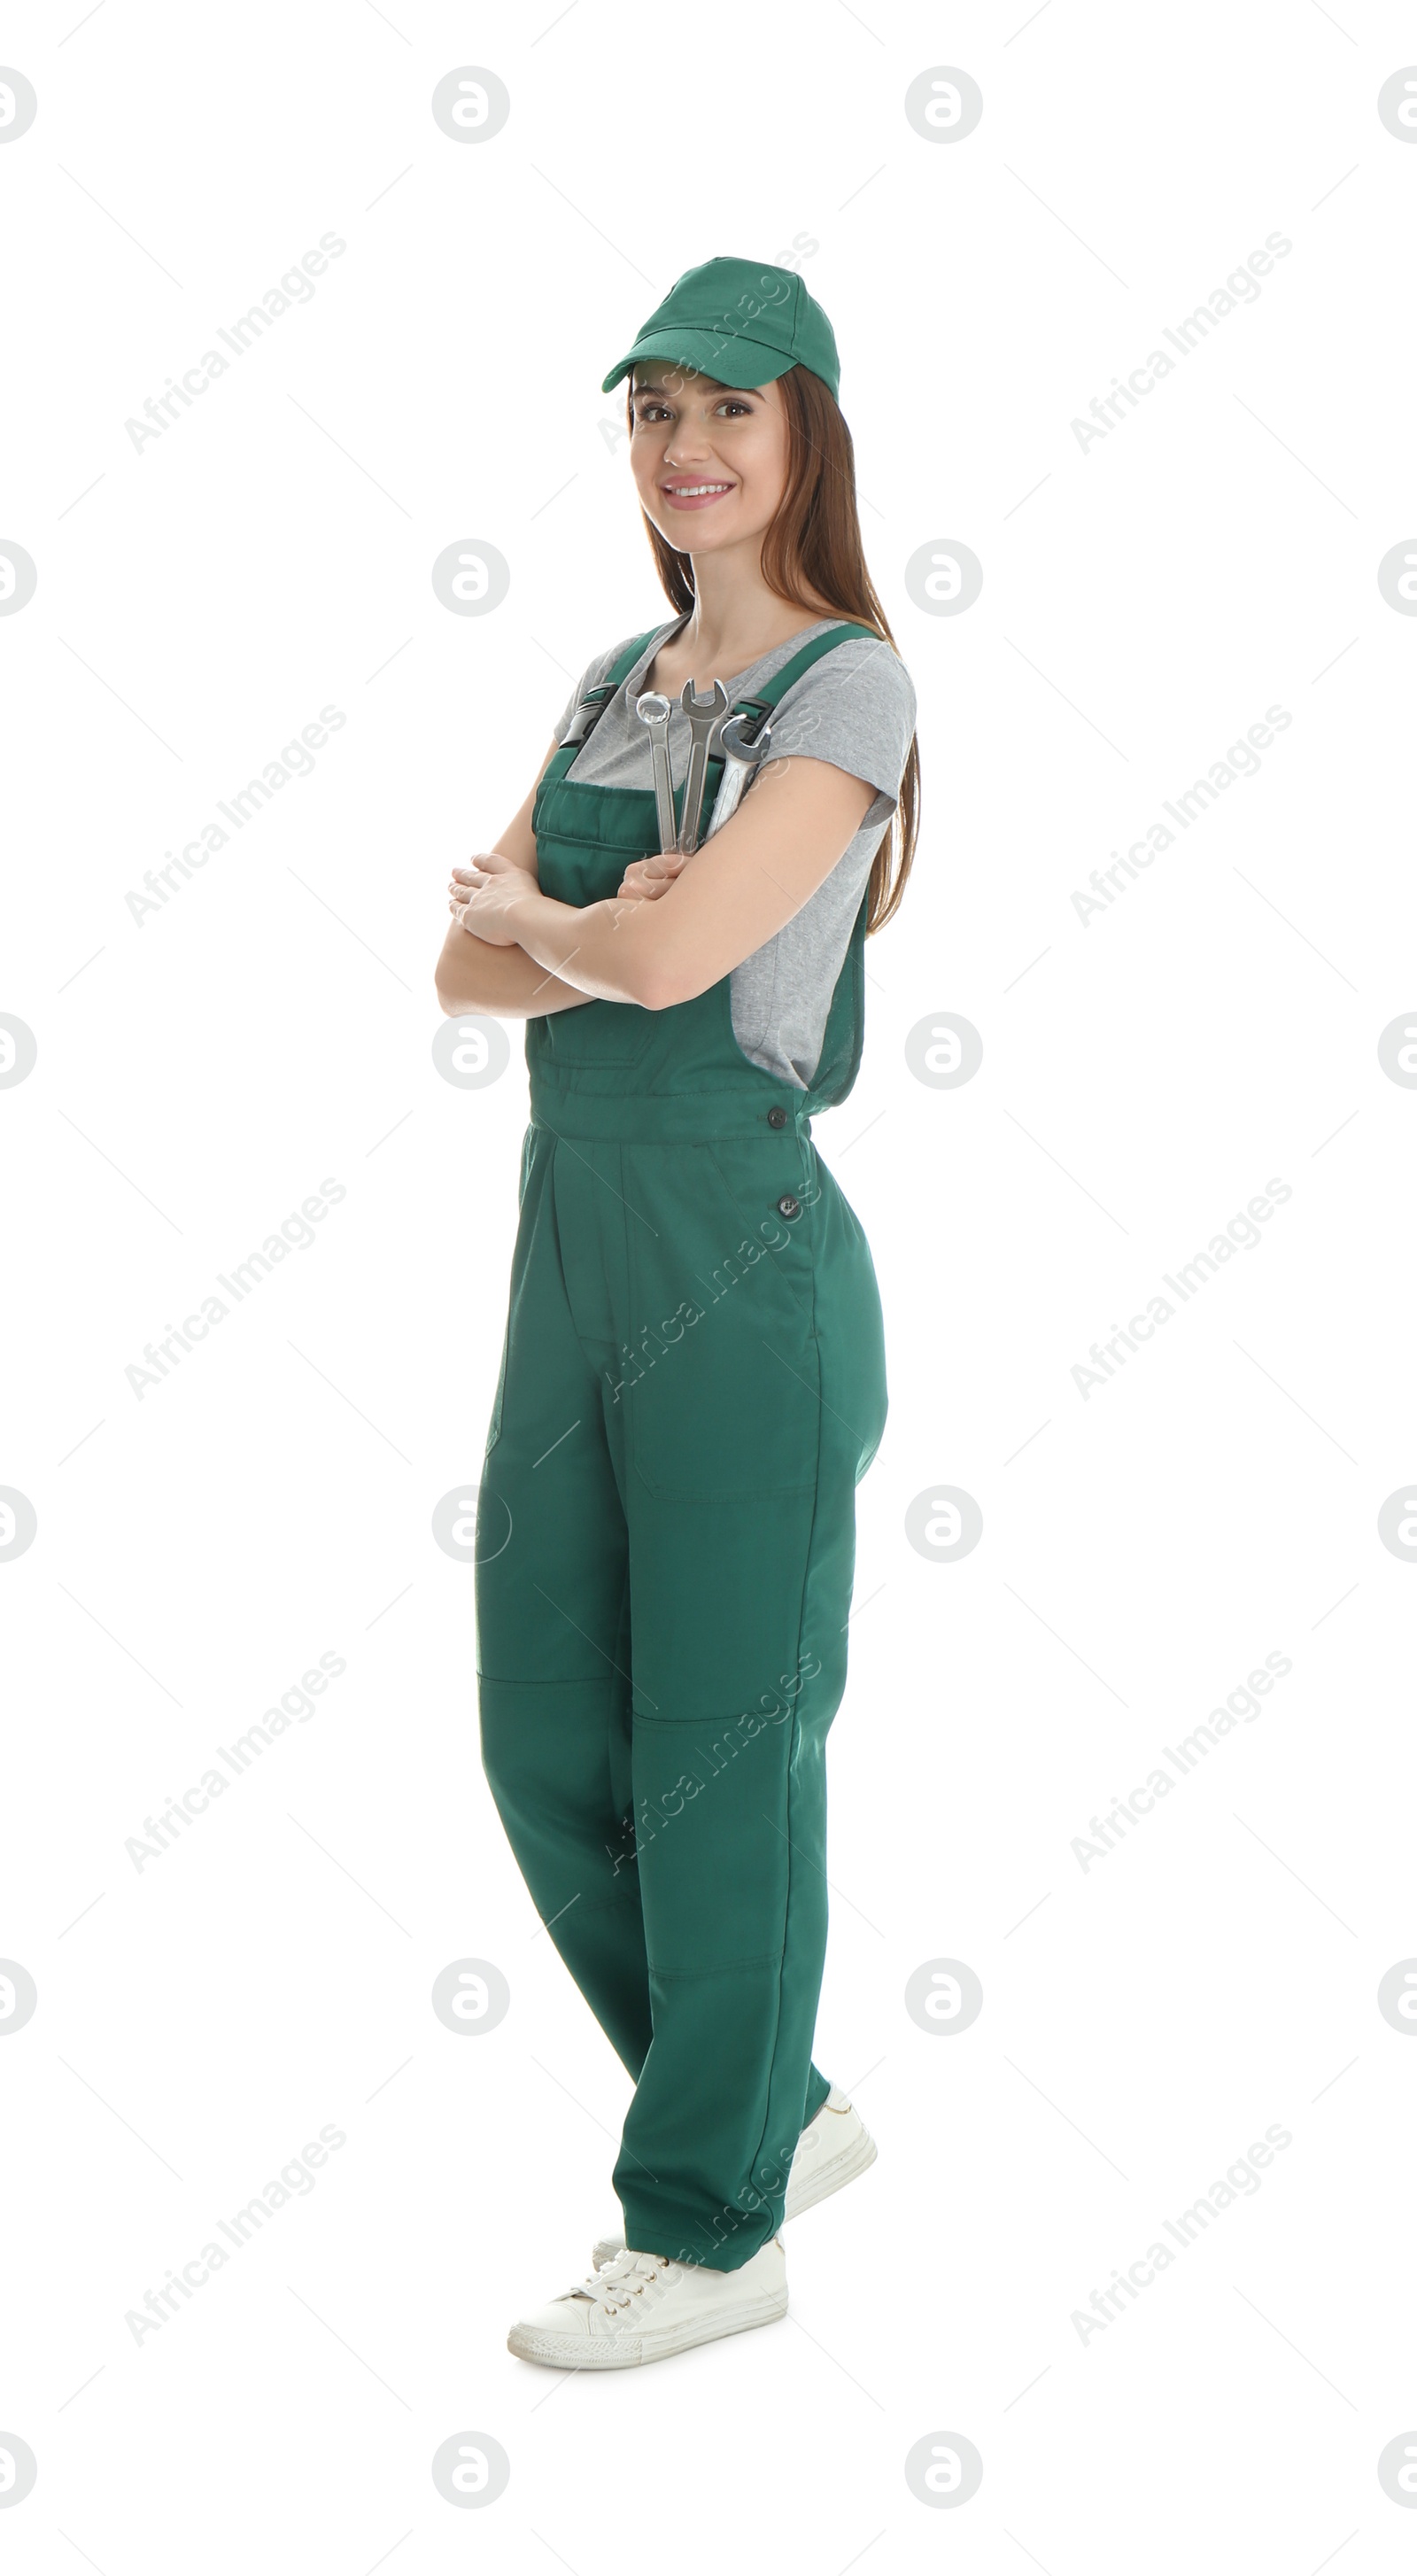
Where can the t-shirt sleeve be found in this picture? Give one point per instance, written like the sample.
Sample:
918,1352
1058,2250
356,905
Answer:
855,708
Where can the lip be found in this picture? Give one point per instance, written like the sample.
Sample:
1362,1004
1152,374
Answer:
685,499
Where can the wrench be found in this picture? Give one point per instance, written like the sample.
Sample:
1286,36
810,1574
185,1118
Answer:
704,715
740,763
653,710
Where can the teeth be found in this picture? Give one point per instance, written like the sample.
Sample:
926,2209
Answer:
691,491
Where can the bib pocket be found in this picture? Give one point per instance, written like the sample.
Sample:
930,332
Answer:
609,1035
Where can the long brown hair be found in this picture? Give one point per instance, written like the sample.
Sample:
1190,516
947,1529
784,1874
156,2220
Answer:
812,552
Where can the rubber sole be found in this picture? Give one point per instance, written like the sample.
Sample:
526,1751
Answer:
628,2352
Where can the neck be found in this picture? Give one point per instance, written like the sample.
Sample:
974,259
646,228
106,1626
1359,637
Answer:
735,618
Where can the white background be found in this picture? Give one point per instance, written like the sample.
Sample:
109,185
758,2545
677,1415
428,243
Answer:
1143,1077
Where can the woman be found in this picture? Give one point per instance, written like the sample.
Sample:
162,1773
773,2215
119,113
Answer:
693,1376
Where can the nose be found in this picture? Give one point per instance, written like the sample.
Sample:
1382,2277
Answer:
684,448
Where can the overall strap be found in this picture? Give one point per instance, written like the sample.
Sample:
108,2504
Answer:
760,706
593,705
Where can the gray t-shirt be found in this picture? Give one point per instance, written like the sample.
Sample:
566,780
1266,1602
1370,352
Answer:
854,708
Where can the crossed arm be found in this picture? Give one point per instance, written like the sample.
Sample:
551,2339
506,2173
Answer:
676,925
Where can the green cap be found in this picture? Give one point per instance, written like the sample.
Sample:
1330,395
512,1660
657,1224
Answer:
740,322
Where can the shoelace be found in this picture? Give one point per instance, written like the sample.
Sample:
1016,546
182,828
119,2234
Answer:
620,2280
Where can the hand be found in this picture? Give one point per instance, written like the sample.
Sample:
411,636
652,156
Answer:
492,863
486,896
646,878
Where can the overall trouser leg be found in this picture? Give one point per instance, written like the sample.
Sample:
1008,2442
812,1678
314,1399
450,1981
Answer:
553,1633
745,1434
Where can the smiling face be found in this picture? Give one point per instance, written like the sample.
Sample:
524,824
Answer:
709,460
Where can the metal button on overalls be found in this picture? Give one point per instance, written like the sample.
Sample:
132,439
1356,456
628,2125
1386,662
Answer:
666,1547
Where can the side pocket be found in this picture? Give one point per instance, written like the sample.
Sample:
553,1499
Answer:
725,1404
788,1247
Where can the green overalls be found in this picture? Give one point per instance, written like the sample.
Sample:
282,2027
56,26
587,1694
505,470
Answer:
692,1385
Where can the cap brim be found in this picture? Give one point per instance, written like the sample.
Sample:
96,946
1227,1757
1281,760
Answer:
725,355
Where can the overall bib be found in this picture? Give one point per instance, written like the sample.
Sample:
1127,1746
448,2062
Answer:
692,1385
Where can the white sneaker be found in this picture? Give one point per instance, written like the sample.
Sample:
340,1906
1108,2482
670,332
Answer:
833,2149
638,2308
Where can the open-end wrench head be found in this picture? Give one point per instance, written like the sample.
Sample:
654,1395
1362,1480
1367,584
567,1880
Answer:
714,704
731,740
